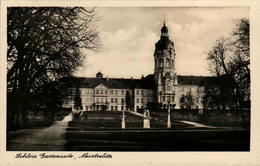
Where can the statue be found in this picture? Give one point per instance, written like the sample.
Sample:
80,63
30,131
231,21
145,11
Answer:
146,118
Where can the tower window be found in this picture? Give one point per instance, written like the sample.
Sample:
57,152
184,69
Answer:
167,63
161,62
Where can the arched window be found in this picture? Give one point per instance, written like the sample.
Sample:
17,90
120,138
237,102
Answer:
167,62
169,86
161,62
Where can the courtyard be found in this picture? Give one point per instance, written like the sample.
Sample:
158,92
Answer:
101,131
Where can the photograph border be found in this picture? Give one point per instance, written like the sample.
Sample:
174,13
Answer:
146,158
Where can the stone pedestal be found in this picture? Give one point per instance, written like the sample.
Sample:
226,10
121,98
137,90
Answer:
169,125
146,123
123,123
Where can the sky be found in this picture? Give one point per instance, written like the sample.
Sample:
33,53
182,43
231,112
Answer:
128,37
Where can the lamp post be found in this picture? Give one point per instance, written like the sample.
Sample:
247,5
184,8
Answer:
123,116
169,116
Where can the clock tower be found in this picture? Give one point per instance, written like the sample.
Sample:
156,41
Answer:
164,69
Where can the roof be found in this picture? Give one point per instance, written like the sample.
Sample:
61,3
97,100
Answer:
113,83
144,83
201,80
163,43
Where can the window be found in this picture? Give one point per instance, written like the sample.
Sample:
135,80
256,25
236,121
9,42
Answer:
122,92
122,100
163,98
116,108
106,92
97,91
111,92
101,100
101,91
137,100
161,62
142,92
142,100
168,86
97,100
116,92
172,98
115,100
112,100
137,107
168,98
112,108
137,92
167,63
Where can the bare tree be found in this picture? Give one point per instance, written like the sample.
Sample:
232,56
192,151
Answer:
232,58
44,45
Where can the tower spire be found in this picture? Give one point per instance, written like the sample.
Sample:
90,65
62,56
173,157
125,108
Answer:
164,30
164,20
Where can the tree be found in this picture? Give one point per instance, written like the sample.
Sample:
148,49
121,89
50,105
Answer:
153,106
44,45
187,101
232,59
219,94
128,101
77,100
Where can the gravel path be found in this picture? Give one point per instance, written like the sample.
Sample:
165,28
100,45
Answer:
51,138
195,124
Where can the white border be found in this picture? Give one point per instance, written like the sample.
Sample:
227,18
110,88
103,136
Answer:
251,158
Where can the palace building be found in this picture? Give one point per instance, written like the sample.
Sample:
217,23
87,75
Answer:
164,87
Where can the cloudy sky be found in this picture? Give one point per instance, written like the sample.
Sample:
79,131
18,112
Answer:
128,36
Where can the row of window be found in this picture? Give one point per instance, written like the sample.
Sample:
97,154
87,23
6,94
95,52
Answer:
120,100
105,100
191,89
167,63
141,92
167,98
111,92
142,100
112,108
